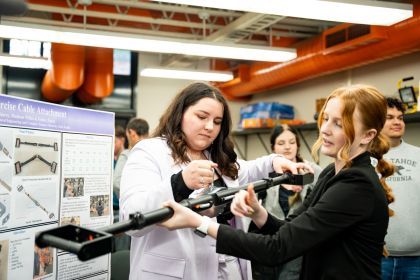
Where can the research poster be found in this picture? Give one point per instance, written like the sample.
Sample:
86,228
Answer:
55,169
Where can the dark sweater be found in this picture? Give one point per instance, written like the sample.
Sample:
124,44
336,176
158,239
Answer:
339,229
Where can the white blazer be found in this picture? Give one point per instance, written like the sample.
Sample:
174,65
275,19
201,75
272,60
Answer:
157,253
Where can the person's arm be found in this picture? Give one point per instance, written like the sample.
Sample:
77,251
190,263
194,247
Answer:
340,207
254,170
179,188
122,159
345,203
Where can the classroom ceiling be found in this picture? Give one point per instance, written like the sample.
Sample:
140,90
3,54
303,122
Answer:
215,25
173,21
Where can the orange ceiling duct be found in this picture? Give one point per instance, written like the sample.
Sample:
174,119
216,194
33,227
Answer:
321,56
99,76
66,73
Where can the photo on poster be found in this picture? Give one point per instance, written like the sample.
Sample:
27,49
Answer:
72,220
36,155
4,258
43,262
73,187
99,205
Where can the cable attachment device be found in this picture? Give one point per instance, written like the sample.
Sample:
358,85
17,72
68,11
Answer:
18,143
88,244
19,165
21,189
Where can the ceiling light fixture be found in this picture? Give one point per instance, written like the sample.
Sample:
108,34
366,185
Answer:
144,43
195,75
24,61
354,11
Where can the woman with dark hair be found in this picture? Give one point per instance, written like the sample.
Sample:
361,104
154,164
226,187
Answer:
341,226
280,201
190,151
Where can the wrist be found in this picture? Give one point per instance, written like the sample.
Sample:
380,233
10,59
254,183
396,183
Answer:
277,158
196,221
203,229
184,180
260,217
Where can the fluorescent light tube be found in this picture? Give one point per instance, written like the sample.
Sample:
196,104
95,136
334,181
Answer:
351,11
145,43
214,76
24,61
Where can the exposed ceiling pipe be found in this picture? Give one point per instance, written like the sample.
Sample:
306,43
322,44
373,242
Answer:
88,71
66,74
99,76
313,60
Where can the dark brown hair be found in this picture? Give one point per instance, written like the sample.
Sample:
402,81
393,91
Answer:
222,149
139,126
279,130
395,103
119,131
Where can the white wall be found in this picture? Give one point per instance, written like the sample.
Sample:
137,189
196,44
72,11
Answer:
154,96
383,75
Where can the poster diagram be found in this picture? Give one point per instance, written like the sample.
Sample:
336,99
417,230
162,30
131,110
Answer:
36,203
4,208
35,156
55,169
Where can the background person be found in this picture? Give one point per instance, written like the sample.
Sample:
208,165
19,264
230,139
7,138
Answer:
282,200
119,147
403,238
137,130
341,226
119,142
190,149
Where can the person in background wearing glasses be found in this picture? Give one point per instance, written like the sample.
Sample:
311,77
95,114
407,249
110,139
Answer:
190,151
403,238
341,226
280,201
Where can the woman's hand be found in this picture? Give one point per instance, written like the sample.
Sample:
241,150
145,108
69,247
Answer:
246,204
183,217
293,188
282,164
199,174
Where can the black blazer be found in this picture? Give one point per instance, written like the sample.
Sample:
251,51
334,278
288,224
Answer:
339,229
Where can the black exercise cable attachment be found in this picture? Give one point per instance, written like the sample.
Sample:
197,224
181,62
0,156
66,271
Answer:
88,243
19,165
18,143
21,189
